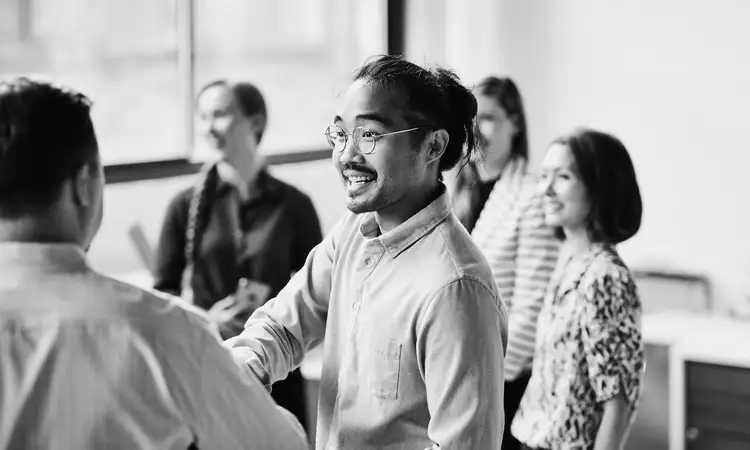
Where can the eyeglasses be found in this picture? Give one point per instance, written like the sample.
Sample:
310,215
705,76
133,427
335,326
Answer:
364,138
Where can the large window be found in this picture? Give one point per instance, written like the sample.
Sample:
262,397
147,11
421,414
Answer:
121,53
141,61
300,54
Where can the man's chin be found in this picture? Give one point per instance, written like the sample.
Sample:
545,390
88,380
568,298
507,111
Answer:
358,205
358,208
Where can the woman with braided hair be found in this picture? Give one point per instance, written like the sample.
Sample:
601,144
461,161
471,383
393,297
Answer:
232,240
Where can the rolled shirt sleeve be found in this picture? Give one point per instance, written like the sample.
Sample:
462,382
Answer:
611,336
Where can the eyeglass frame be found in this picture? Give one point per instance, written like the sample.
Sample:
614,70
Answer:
377,136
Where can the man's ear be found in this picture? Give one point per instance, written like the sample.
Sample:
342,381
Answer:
437,143
82,186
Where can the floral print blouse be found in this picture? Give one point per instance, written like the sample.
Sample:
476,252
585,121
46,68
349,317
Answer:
589,348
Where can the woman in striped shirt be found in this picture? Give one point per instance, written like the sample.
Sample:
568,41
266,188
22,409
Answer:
521,249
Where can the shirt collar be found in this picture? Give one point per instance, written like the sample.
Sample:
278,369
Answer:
403,236
585,263
59,257
263,186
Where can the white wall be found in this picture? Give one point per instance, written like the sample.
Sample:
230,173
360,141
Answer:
671,78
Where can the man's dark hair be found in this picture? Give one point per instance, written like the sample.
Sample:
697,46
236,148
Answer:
607,171
46,136
430,98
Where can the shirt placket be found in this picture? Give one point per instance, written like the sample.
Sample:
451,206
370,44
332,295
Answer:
365,265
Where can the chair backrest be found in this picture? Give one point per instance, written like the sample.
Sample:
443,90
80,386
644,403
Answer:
142,246
670,291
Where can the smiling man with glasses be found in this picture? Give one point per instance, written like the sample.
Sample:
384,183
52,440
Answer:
414,330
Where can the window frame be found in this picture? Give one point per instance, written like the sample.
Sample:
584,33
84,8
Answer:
168,168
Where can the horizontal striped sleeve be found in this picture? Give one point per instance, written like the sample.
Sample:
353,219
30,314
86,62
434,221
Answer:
537,254
495,234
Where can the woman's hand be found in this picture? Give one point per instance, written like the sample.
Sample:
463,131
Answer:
250,295
226,309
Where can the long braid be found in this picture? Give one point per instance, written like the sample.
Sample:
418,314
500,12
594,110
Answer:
197,220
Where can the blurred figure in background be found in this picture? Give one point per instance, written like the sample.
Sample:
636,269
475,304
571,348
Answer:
589,361
89,362
469,194
521,249
414,328
233,240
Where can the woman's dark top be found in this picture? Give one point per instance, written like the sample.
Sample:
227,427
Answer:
279,226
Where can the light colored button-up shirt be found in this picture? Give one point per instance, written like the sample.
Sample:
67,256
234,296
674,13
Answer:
87,362
414,335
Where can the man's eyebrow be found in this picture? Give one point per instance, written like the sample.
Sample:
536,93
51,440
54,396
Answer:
375,117
337,119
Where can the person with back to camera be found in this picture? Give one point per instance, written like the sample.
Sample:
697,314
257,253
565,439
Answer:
588,366
414,328
233,239
89,362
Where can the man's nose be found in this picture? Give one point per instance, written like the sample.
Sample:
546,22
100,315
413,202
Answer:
351,152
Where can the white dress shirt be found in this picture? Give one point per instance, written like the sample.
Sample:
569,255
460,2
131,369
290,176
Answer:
87,362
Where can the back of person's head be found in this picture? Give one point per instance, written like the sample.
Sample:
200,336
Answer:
49,157
608,175
505,92
46,136
248,98
429,98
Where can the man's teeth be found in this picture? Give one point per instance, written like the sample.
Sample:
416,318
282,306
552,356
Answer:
360,179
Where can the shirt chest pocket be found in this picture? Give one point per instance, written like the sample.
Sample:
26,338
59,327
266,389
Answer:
385,362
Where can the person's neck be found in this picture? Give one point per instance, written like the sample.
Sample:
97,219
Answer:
401,211
241,171
577,241
50,229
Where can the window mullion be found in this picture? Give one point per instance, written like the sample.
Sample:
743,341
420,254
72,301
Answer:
186,68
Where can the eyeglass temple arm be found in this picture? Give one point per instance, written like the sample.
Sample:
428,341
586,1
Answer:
400,131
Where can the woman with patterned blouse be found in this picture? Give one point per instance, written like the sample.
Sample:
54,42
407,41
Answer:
588,362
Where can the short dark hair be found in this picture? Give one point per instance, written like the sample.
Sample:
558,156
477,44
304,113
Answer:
607,171
46,136
433,98
507,95
248,97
